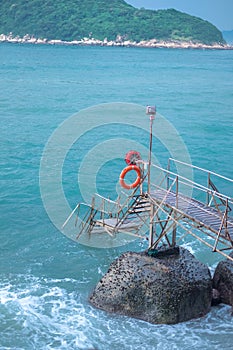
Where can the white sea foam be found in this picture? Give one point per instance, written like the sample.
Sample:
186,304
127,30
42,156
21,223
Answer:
51,316
52,313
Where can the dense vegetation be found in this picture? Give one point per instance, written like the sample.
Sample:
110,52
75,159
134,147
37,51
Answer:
75,19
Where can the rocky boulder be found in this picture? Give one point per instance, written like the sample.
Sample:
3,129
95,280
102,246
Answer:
164,287
223,281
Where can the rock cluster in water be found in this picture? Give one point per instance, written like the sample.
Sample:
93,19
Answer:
167,288
153,43
223,281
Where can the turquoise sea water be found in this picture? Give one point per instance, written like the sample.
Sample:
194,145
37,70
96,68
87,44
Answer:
45,278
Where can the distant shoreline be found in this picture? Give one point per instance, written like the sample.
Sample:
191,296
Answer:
27,39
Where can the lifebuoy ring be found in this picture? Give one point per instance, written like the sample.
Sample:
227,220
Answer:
132,157
125,171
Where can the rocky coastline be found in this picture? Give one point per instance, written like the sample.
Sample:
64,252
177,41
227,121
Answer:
28,39
163,286
169,288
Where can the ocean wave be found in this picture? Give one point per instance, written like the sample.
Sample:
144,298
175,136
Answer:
52,313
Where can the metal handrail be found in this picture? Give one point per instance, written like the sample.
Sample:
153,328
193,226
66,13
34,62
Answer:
202,169
206,189
203,189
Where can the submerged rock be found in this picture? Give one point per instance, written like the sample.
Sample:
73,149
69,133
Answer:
223,281
158,288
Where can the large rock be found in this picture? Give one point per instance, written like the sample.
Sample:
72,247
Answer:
223,281
161,289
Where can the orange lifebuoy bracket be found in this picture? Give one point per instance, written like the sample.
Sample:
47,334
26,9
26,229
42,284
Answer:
125,171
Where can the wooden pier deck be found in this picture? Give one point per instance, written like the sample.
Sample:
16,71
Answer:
203,215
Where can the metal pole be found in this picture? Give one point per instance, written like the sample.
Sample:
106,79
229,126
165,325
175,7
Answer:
152,117
151,111
150,151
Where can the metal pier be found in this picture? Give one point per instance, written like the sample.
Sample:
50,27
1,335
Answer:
172,208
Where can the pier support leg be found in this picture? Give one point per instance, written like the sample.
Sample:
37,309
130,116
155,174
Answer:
151,235
174,236
174,231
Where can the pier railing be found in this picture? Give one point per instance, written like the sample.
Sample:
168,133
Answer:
213,196
204,207
176,198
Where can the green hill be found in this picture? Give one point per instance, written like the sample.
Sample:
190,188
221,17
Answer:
76,19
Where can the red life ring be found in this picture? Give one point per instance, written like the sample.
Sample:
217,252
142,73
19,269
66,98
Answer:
125,171
131,157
